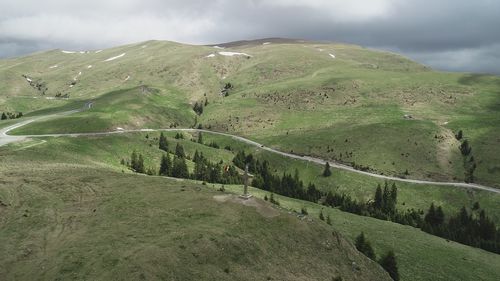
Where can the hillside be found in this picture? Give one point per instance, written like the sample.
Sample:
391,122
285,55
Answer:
375,110
55,184
68,201
62,220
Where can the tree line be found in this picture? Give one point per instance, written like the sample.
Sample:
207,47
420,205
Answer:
476,231
173,164
11,115
472,228
387,261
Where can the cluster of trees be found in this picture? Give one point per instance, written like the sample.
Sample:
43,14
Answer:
225,90
214,172
468,158
477,231
173,164
388,261
11,115
198,108
475,228
286,185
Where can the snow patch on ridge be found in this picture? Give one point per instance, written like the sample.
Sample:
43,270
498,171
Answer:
210,56
230,54
98,51
54,66
68,52
332,55
115,57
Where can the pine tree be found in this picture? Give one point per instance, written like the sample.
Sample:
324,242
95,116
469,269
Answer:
165,165
458,136
386,199
378,198
321,216
179,151
364,246
200,138
328,220
388,262
4,116
179,169
133,160
327,172
163,143
140,164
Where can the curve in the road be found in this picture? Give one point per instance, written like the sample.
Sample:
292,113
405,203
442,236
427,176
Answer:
5,138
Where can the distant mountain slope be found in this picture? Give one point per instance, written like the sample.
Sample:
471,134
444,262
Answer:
375,110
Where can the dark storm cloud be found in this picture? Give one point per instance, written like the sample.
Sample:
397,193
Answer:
451,35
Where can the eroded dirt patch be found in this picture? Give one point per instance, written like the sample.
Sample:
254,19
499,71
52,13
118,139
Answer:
262,207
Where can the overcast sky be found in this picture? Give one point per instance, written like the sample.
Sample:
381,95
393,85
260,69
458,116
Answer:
458,35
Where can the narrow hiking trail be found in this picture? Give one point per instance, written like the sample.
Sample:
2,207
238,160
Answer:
5,138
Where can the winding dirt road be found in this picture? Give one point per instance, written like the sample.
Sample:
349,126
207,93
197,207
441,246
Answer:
5,139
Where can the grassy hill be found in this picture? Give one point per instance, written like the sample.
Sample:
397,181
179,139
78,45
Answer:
63,221
159,226
66,203
287,94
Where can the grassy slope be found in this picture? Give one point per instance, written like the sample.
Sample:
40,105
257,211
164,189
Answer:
61,209
95,224
291,96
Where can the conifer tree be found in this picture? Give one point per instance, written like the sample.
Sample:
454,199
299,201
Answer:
364,246
200,138
165,165
140,164
133,160
378,201
179,151
4,116
326,171
163,143
179,169
388,262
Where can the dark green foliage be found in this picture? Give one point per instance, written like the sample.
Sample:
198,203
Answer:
137,162
459,135
179,168
321,216
165,165
303,211
11,115
200,138
326,171
163,143
214,145
378,201
179,151
465,148
198,108
388,262
216,173
364,246
464,228
476,206
328,220
179,136
272,200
